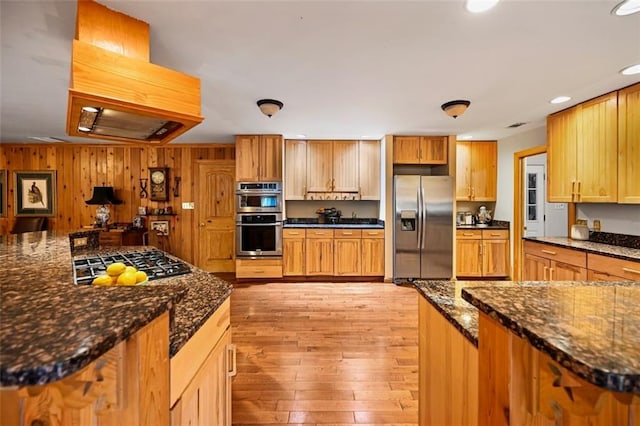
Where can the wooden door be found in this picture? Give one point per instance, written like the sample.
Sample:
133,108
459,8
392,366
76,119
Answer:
247,158
562,134
293,252
597,150
319,166
468,258
372,252
495,258
433,150
369,170
347,254
295,160
345,166
484,170
270,158
463,171
215,210
560,271
406,150
534,268
629,145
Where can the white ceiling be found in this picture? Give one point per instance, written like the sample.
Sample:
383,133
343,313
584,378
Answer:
344,69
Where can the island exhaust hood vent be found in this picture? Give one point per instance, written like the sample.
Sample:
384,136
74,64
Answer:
116,93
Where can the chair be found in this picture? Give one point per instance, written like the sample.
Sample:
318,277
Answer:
29,224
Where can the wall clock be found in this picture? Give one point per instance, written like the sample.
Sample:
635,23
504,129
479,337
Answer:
159,183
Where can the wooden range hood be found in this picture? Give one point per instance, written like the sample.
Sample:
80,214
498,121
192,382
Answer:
133,100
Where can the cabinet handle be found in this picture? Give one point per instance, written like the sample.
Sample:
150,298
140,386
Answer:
495,235
467,234
553,253
347,233
232,369
473,192
469,191
630,270
304,192
259,271
544,273
579,190
294,233
573,190
480,247
333,184
551,270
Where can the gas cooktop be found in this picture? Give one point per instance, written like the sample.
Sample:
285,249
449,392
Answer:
154,262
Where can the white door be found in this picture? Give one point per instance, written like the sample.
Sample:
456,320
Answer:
534,189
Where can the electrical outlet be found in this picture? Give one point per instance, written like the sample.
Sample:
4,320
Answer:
596,225
188,206
581,221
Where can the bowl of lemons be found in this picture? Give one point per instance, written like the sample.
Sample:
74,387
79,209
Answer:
119,274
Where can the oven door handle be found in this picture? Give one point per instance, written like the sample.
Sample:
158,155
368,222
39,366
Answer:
259,224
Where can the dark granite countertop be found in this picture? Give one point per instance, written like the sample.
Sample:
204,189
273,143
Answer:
352,223
495,224
590,247
50,327
592,329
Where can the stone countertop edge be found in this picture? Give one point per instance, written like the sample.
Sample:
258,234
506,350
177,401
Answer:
619,252
57,337
334,225
571,359
490,227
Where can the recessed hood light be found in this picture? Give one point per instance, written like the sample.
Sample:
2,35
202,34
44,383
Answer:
631,70
560,99
626,7
479,6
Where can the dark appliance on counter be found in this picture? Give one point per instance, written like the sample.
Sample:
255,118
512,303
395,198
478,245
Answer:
328,215
157,264
259,197
423,228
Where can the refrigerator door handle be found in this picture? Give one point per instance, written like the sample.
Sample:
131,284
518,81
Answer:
418,219
423,218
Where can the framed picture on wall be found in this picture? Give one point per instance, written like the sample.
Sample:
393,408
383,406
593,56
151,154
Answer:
161,227
3,193
35,193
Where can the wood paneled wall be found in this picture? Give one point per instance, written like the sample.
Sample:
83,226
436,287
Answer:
81,167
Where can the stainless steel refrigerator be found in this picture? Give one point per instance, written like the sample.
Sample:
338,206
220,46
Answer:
423,227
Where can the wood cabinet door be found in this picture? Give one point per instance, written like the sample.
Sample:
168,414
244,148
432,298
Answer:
597,150
270,158
535,268
562,142
406,150
560,271
318,256
293,249
369,170
468,258
495,258
347,254
372,255
247,158
215,234
463,171
629,145
345,166
295,160
319,166
484,165
433,150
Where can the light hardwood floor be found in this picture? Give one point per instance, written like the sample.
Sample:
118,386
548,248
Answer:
325,353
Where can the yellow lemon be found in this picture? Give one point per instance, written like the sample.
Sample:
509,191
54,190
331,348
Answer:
130,269
127,278
102,280
141,276
116,269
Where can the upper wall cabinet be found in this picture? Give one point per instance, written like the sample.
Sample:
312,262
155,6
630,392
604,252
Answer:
476,171
295,171
582,152
419,150
369,170
629,145
258,158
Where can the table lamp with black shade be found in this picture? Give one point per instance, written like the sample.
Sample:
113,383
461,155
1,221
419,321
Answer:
103,195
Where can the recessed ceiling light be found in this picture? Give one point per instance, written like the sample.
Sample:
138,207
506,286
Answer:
465,137
90,109
626,7
478,6
84,129
631,70
560,99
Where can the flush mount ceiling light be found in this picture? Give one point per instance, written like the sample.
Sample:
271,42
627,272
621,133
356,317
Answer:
455,108
631,70
465,137
626,7
479,6
269,107
560,99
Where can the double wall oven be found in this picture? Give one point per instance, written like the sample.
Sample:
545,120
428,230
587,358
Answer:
258,219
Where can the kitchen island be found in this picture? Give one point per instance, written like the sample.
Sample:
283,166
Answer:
53,331
566,350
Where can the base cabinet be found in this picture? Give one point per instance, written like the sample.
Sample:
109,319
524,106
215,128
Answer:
482,253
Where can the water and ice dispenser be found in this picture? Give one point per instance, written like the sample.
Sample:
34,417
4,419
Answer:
408,220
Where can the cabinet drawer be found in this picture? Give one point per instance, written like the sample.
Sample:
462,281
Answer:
626,269
293,233
347,233
559,254
319,233
469,234
495,234
259,268
373,233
